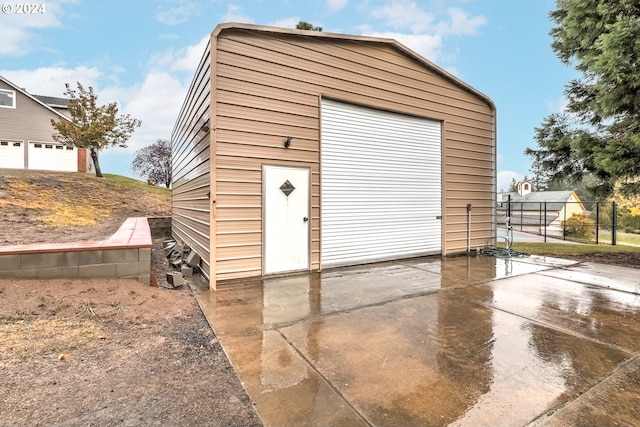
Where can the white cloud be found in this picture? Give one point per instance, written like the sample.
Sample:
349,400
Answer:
427,45
178,13
424,31
336,5
18,31
402,15
504,179
180,60
290,22
236,14
50,81
158,99
462,24
557,105
157,102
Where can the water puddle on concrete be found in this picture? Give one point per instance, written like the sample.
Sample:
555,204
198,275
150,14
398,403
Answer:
429,341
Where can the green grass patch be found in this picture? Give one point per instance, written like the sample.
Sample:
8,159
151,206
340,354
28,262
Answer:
559,249
127,182
621,238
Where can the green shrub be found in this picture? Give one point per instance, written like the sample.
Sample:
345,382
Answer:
580,226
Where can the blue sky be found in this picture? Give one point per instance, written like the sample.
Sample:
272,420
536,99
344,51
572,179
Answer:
142,54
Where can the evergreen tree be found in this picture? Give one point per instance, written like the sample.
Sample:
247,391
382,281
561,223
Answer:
600,133
304,25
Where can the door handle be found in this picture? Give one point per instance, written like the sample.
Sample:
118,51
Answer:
305,219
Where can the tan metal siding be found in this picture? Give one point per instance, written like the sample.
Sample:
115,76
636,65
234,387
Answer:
190,148
268,87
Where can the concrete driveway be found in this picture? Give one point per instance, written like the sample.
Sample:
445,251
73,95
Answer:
462,341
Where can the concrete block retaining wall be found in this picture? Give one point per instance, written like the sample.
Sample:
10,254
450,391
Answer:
160,226
126,254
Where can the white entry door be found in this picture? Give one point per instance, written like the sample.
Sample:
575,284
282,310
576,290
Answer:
286,219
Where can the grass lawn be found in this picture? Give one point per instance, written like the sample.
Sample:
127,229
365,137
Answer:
559,249
621,238
124,181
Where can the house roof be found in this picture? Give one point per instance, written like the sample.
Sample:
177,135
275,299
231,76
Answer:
32,97
365,39
53,101
555,200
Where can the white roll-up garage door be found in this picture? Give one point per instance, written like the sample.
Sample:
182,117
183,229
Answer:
53,156
11,154
381,191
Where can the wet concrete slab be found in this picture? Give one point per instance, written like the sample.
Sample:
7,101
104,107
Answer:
601,314
608,276
466,270
436,360
464,341
286,389
614,402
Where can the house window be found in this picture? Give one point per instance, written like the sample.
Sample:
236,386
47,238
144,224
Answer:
59,147
526,187
69,148
17,144
37,145
4,143
48,146
7,98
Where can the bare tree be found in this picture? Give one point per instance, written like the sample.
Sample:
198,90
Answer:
154,162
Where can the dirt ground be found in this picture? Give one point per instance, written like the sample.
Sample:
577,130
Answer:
623,259
50,207
113,352
103,352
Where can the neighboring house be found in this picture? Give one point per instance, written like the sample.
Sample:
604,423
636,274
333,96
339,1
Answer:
302,150
532,211
26,140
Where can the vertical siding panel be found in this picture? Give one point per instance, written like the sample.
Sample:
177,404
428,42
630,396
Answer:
190,146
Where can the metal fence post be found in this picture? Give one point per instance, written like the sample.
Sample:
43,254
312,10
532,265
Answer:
597,220
539,217
564,223
545,222
521,220
614,223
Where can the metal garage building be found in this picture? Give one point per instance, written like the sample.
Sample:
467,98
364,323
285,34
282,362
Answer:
299,150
